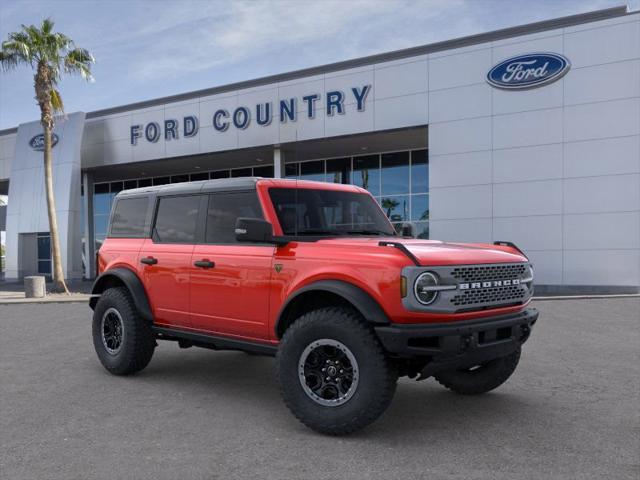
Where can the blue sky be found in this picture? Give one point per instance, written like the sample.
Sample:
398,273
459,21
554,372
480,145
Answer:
149,49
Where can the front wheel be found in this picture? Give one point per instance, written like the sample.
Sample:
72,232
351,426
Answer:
481,378
333,373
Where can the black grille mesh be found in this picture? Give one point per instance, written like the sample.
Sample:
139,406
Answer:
494,272
494,295
513,293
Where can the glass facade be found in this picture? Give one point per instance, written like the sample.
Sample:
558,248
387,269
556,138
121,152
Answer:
104,193
399,181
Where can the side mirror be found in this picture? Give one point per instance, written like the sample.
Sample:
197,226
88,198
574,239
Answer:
256,230
253,230
408,230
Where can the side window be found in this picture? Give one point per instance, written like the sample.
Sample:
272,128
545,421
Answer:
224,210
129,217
176,219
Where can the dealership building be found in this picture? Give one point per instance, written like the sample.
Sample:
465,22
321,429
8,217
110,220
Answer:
529,134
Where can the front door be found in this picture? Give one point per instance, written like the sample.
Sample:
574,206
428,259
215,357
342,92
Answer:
165,259
230,280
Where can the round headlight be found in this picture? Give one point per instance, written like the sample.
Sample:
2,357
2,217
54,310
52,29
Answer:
423,288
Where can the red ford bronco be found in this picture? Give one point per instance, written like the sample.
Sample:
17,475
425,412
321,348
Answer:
314,274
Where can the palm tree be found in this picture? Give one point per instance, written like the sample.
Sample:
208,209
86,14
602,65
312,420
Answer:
389,204
50,54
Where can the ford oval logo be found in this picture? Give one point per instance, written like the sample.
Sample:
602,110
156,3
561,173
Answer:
528,71
37,142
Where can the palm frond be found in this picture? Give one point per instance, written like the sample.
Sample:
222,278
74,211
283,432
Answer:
16,50
34,34
17,47
54,73
20,44
63,42
47,26
9,61
51,53
20,37
80,55
56,101
13,54
79,61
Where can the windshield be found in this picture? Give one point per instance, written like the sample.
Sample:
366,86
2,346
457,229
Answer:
328,212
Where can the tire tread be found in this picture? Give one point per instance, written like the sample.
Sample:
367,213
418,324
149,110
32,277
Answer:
343,316
139,340
478,382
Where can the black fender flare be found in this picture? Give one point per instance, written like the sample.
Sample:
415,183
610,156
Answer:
133,284
363,302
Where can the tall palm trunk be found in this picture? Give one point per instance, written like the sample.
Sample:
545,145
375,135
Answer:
43,94
58,275
53,54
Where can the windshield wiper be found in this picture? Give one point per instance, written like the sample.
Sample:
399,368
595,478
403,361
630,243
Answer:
368,232
317,231
323,231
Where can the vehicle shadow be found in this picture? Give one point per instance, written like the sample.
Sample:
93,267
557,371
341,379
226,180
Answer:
426,405
418,408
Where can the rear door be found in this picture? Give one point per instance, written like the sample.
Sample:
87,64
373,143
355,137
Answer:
230,281
165,258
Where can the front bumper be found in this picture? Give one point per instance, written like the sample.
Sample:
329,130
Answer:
458,344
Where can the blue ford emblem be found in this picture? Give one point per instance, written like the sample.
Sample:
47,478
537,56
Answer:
37,142
528,71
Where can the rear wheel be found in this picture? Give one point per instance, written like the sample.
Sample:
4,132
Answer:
481,378
122,339
333,374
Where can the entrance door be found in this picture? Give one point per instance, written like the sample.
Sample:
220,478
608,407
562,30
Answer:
165,259
230,280
44,253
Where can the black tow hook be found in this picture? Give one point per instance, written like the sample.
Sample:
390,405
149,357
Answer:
525,331
468,342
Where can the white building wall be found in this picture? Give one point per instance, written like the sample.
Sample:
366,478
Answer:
397,99
27,208
7,152
554,169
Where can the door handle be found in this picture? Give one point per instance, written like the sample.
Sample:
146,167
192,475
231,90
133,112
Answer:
149,260
204,264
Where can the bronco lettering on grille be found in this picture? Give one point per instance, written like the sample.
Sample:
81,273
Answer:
489,284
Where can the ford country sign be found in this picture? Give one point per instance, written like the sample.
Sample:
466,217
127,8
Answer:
37,142
528,71
262,113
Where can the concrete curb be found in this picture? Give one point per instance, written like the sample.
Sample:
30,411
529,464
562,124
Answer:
77,298
84,298
585,297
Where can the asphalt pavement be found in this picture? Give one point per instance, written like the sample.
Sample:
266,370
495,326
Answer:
571,411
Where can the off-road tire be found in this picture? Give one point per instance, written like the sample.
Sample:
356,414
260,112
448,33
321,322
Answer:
377,376
482,379
138,341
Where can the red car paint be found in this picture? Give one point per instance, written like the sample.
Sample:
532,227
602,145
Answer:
243,295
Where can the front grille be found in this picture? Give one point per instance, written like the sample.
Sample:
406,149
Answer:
473,287
491,295
481,273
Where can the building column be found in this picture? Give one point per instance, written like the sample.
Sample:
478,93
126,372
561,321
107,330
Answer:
87,222
278,163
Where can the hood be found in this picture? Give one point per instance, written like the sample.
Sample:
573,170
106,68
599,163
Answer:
445,253
435,252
